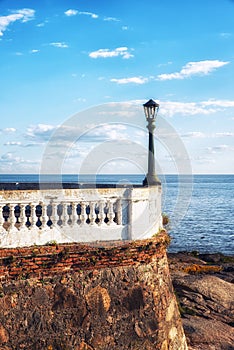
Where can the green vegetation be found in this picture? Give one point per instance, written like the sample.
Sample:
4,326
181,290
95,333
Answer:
52,243
165,220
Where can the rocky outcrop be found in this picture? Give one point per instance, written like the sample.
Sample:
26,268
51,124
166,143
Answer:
205,292
122,299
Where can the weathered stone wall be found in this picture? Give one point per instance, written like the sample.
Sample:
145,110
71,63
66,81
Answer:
110,297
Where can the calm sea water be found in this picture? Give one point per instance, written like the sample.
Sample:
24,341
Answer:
200,208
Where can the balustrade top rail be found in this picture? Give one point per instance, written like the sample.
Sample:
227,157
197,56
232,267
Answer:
14,186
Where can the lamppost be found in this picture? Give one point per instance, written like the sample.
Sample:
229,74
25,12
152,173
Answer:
151,110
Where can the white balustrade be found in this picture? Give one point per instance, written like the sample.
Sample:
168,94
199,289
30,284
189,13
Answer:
60,214
115,214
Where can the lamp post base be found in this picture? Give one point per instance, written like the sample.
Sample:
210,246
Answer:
151,180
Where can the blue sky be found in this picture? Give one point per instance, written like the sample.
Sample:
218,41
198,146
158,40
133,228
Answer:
62,58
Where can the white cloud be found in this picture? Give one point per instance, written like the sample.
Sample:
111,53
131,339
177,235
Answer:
60,45
105,53
194,68
133,80
124,27
23,15
40,132
91,14
34,51
164,64
170,108
111,19
218,103
12,143
219,149
108,132
71,12
194,134
9,158
40,24
225,35
224,134
8,130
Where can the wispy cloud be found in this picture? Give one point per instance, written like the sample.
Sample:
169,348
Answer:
23,15
108,132
218,103
194,68
170,108
71,12
219,148
40,132
74,12
225,35
224,134
9,158
91,14
111,19
13,143
34,51
123,52
60,45
132,80
194,134
8,130
42,24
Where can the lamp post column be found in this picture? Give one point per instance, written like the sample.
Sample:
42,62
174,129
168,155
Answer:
151,178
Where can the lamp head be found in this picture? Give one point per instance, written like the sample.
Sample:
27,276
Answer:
151,109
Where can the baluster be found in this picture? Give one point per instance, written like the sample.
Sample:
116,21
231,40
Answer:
96,213
33,215
43,217
1,216
83,213
65,216
12,219
119,212
101,213
60,213
73,213
92,213
23,218
110,213
78,213
87,212
55,216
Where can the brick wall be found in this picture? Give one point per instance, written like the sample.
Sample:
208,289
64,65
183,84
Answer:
39,261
